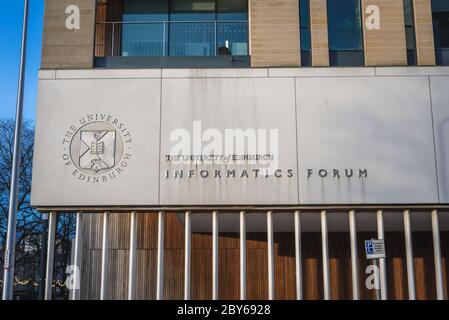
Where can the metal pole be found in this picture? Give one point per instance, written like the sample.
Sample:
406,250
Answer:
325,252
187,238
132,257
43,256
163,41
409,256
77,260
270,255
437,255
215,255
354,256
8,265
113,39
242,255
298,256
160,257
382,266
215,40
105,258
50,255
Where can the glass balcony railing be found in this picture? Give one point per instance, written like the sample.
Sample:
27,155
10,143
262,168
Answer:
172,38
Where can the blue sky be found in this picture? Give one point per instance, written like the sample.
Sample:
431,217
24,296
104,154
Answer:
11,17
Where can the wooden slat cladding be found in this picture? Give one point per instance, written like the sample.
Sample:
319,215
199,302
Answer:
385,46
425,47
274,33
63,48
257,266
319,34
108,11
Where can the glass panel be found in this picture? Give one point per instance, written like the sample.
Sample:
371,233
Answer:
408,12
441,29
232,38
232,10
143,10
306,59
440,10
345,29
305,39
347,58
410,37
192,39
232,5
304,12
192,10
143,39
305,26
193,5
190,28
440,6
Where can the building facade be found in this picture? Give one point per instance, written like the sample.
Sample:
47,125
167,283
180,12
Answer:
235,149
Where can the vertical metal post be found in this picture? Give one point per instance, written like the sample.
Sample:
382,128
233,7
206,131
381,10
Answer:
242,255
354,256
132,257
163,39
187,235
298,256
105,258
113,39
9,261
215,40
215,255
437,255
382,266
50,255
43,256
270,255
325,252
409,256
160,257
77,260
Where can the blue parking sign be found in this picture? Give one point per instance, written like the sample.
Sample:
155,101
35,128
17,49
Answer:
375,249
369,248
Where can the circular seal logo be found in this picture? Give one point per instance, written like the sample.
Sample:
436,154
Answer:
97,148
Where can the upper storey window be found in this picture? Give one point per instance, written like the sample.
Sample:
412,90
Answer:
440,15
345,33
410,32
179,28
305,38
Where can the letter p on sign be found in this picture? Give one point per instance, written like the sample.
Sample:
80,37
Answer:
72,21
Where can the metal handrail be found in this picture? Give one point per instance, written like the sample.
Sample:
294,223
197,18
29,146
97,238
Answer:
166,24
172,21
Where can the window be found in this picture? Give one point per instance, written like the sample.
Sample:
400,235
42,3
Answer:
184,28
345,33
304,12
410,32
440,15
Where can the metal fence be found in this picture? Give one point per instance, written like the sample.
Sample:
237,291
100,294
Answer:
171,38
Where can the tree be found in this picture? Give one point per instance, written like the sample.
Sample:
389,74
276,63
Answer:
29,220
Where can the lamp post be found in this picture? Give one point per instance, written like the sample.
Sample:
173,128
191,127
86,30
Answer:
12,215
